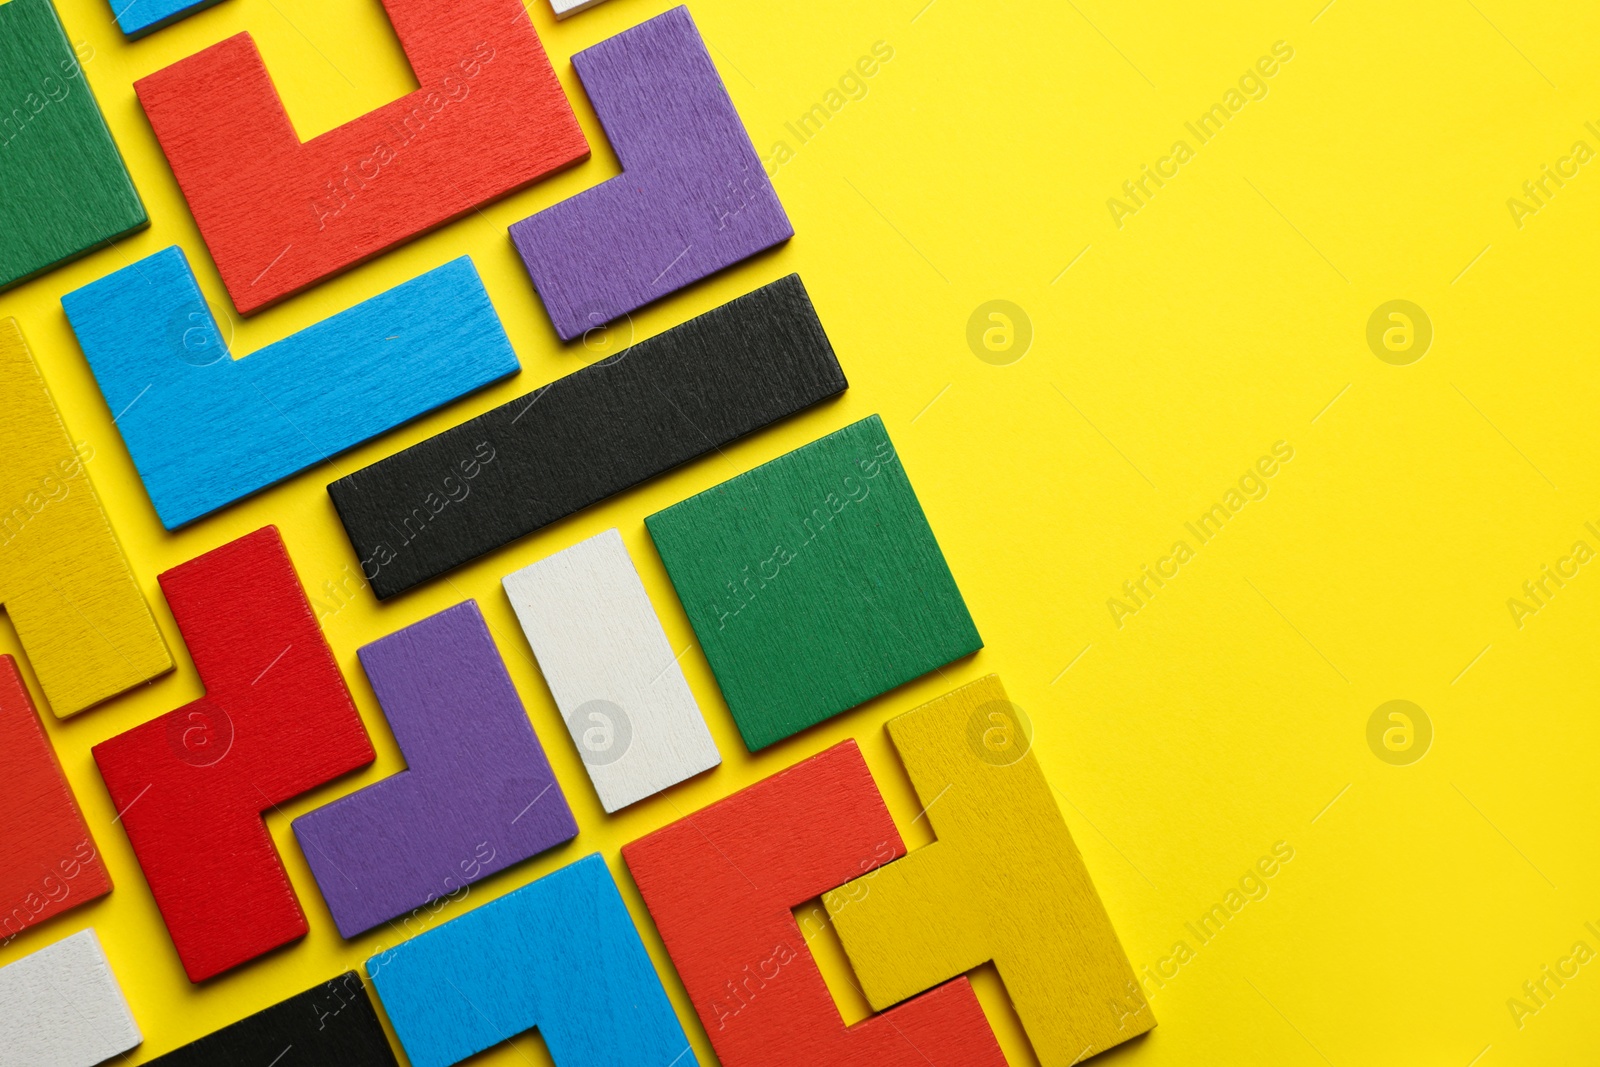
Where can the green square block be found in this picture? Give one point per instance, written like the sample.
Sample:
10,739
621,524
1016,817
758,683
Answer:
814,583
63,186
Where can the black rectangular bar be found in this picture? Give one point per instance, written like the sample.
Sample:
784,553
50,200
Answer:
333,1023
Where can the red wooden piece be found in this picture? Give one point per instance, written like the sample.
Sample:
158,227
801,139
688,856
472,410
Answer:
50,862
279,215
721,885
191,785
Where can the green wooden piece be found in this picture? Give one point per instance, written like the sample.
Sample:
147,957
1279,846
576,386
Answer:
814,583
65,189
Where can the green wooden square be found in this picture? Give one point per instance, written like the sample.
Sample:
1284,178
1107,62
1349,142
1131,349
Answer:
814,583
63,187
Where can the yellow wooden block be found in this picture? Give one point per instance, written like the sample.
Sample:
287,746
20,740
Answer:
63,578
1003,882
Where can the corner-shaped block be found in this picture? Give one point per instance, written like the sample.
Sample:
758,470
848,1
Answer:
64,581
559,954
477,796
206,430
721,885
1003,882
190,786
62,1007
692,198
136,18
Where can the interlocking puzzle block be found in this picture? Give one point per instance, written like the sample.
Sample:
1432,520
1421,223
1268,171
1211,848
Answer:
722,884
560,954
205,429
190,786
329,1025
64,581
67,191
1003,882
62,1007
564,8
693,197
280,215
590,435
136,18
813,582
611,670
477,796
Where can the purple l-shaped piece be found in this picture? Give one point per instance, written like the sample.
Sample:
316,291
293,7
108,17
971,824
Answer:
478,794
692,198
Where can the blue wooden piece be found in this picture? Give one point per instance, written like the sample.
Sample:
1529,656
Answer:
139,17
560,954
205,429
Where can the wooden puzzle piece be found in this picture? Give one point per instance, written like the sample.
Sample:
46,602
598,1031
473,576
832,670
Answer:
51,863
206,430
67,190
329,1025
564,8
559,954
62,1007
136,18
477,796
190,786
693,197
814,582
611,671
722,884
1003,882
64,581
590,435
279,215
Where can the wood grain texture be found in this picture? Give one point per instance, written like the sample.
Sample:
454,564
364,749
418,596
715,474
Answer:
62,1007
67,190
64,581
51,862
206,430
190,785
692,198
1003,882
813,582
611,670
279,215
588,436
136,18
722,884
329,1025
559,954
566,8
477,796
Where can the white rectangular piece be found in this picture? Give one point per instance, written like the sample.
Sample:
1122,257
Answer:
62,1007
612,673
563,8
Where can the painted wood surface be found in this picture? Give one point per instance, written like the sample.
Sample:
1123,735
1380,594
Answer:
60,564
722,886
567,8
588,436
206,430
190,786
136,18
611,670
62,1007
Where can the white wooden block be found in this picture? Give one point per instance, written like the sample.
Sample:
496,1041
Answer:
611,670
62,1007
563,8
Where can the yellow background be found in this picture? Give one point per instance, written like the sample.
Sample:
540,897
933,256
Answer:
1224,316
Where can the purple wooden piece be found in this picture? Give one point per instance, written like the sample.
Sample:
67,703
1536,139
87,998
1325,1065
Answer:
693,196
478,796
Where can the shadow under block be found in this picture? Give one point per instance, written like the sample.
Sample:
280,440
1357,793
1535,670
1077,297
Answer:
191,785
560,954
62,1007
611,670
1003,882
813,583
51,863
580,439
722,885
279,215
329,1025
206,430
64,581
693,197
136,18
478,794
66,188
